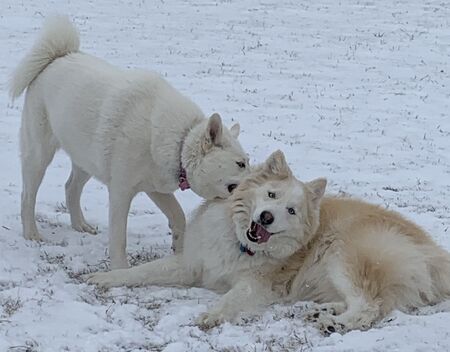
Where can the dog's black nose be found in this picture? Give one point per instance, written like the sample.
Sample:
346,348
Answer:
266,218
232,187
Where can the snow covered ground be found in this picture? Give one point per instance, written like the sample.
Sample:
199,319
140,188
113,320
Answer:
357,91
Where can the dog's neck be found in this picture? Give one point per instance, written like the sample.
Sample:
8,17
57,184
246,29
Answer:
183,182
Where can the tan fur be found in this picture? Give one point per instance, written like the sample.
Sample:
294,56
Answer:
364,259
361,250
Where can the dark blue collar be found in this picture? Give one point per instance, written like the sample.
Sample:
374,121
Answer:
244,249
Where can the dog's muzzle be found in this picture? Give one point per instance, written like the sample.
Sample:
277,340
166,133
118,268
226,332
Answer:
257,233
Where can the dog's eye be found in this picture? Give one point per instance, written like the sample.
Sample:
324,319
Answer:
291,211
241,164
271,194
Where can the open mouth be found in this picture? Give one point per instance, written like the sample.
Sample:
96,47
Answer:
257,233
231,187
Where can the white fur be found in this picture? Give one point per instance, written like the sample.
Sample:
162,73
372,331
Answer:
212,259
128,128
358,261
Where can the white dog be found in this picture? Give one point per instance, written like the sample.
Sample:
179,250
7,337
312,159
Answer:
278,240
129,129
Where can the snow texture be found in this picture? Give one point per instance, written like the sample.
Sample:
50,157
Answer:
356,91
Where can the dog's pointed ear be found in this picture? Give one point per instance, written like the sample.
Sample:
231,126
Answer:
234,130
317,190
213,134
276,164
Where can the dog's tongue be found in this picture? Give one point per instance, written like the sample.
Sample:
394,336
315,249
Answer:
262,234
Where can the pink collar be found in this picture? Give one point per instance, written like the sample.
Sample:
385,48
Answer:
183,182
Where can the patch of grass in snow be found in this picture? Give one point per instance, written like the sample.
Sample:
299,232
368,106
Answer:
28,346
147,346
10,306
145,255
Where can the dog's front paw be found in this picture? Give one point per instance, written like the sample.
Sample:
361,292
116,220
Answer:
119,263
105,280
209,320
329,324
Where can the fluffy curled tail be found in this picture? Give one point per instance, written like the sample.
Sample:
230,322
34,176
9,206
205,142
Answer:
439,266
59,37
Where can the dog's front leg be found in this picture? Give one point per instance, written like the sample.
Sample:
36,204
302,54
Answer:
248,295
119,206
167,271
172,209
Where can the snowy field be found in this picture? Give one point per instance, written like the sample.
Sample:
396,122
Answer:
357,91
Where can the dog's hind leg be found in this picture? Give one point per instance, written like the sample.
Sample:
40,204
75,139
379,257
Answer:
74,186
174,213
167,271
439,268
333,308
361,309
38,146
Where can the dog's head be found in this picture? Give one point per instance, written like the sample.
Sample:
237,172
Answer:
274,212
215,161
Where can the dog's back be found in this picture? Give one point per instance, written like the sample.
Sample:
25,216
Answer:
85,105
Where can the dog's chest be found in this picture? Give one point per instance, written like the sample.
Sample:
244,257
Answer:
226,264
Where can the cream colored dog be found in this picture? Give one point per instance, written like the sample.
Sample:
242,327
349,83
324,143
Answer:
279,240
130,129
